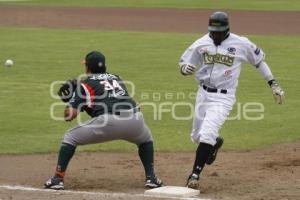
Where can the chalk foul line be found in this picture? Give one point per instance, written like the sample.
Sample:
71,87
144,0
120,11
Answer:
99,194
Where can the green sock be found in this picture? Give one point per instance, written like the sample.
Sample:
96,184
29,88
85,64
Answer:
66,152
146,156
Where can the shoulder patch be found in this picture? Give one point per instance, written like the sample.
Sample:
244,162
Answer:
231,50
257,51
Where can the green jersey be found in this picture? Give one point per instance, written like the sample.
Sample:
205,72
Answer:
102,93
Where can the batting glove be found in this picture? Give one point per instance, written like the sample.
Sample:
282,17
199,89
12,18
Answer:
187,69
278,93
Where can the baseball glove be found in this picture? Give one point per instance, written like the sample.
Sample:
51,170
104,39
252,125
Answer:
66,90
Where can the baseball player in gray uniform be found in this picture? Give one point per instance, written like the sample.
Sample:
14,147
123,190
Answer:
216,60
115,116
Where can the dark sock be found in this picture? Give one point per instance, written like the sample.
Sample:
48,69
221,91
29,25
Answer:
66,152
146,155
202,154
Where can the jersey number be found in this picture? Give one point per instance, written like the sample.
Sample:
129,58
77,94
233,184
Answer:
111,86
114,87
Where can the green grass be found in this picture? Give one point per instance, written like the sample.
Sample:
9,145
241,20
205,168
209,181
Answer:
150,61
283,5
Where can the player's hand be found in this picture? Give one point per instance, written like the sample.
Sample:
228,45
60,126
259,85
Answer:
187,69
70,114
66,90
278,93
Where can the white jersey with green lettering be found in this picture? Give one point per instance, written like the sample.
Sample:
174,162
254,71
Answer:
218,70
219,66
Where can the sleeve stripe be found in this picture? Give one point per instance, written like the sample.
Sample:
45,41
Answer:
90,94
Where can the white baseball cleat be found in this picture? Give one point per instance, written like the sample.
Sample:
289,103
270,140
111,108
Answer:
153,182
193,181
55,183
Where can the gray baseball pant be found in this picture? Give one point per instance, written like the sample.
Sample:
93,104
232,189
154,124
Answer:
107,127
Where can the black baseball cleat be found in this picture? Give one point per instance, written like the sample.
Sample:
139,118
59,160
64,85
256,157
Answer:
212,156
153,182
193,181
55,183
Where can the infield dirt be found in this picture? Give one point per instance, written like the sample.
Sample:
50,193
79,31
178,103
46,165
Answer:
143,19
271,173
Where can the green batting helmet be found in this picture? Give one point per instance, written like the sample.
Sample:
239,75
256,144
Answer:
218,22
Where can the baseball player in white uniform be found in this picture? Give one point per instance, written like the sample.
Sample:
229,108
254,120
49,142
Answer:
216,60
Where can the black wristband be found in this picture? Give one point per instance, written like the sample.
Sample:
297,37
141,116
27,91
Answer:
271,82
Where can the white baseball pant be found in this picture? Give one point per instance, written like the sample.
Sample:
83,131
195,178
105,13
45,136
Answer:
211,111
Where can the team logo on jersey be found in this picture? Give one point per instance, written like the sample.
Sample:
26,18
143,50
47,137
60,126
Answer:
218,58
231,50
202,50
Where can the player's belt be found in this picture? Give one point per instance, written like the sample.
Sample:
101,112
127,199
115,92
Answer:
214,90
133,110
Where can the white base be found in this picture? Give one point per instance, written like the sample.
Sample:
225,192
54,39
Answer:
172,191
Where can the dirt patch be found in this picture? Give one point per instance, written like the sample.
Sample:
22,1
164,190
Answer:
144,19
271,173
